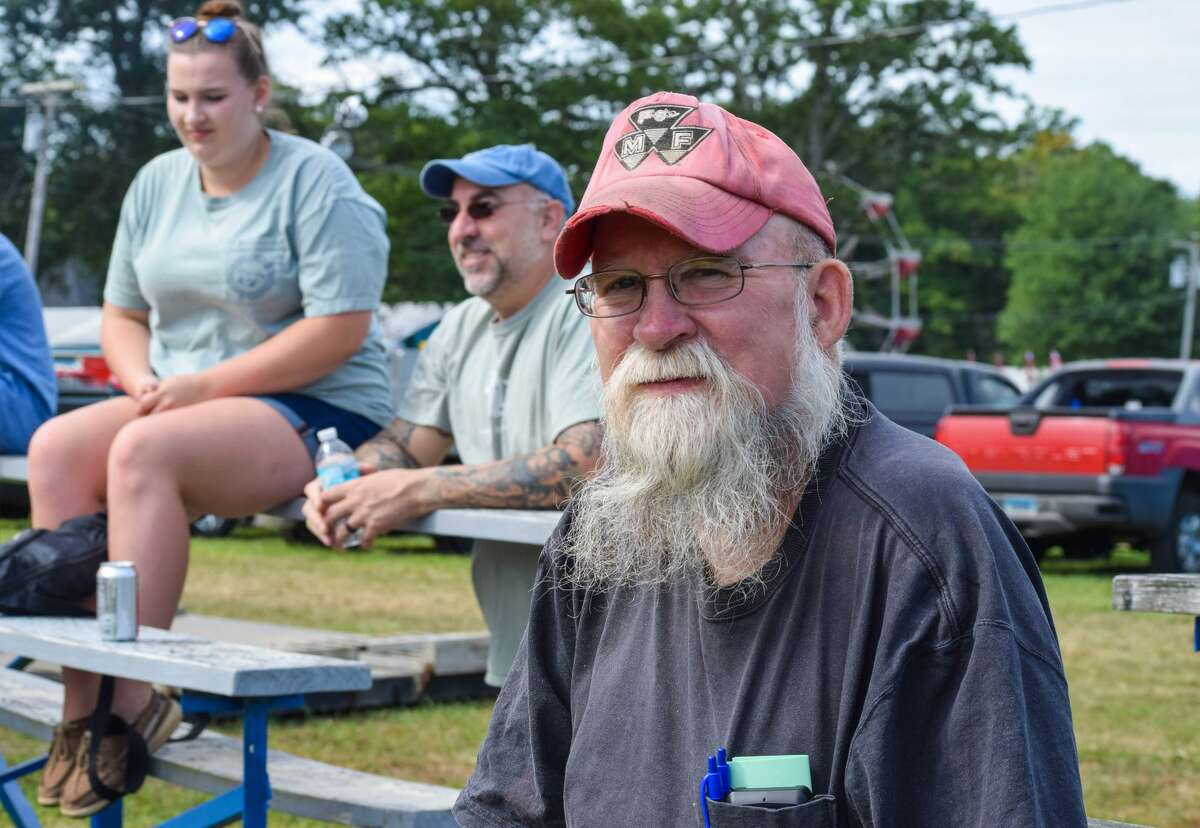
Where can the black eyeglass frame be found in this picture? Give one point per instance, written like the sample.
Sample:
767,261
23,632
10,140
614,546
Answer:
577,292
479,210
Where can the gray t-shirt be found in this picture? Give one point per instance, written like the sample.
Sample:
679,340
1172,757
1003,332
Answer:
220,276
503,387
902,641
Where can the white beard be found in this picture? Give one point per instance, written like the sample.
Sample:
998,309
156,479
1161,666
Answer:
704,477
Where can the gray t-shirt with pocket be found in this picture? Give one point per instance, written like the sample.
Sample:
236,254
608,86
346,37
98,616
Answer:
221,275
503,387
901,639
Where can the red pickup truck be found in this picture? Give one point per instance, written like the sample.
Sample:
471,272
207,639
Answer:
1098,452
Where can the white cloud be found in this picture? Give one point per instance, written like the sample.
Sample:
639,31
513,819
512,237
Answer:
1129,71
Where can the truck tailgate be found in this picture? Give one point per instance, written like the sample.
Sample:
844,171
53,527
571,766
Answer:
1030,441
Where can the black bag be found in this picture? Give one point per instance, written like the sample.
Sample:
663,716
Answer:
51,572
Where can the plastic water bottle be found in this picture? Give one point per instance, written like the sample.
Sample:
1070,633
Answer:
336,464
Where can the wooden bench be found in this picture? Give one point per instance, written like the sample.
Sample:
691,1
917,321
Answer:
215,678
1160,593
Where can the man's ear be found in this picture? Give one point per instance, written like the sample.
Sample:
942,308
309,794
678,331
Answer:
553,216
831,291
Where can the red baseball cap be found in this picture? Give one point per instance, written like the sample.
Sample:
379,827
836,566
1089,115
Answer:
698,172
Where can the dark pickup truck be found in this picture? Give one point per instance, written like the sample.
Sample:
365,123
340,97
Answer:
1098,452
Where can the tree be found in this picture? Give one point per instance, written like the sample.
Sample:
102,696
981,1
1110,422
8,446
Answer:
117,49
884,91
1090,257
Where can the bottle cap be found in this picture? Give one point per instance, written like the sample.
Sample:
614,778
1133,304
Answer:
327,434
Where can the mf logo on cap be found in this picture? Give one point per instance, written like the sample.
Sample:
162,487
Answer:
656,130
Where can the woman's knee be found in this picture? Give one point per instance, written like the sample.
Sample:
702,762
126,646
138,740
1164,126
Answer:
140,452
57,447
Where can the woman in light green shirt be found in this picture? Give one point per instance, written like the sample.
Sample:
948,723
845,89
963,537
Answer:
238,316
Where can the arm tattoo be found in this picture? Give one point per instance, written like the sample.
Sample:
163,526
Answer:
542,479
389,449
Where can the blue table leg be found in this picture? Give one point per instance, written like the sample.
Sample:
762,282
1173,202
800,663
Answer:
111,817
1196,636
255,782
13,799
251,800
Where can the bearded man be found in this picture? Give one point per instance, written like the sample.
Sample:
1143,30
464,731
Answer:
763,562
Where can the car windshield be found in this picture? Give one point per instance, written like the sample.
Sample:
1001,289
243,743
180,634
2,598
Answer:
987,389
1110,389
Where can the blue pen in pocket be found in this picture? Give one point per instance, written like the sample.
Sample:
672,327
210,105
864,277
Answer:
757,781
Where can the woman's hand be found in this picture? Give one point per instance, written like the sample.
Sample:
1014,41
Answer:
175,392
143,386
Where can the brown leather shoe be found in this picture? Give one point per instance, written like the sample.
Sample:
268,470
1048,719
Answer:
61,761
155,723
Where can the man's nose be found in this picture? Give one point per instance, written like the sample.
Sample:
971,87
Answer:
463,227
662,322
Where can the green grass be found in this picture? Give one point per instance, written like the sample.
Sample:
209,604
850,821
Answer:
1135,683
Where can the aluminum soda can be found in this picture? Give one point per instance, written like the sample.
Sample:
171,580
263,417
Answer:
116,601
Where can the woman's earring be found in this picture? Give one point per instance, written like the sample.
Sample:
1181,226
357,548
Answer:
258,108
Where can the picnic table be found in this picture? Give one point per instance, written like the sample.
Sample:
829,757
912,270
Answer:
215,678
1160,593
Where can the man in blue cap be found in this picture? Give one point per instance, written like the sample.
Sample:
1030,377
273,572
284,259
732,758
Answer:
507,378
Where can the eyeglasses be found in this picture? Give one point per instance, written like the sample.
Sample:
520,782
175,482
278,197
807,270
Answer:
478,210
702,281
216,29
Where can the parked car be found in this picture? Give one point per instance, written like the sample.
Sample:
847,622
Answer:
1098,452
915,391
83,375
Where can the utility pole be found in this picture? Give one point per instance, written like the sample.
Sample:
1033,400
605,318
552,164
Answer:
1189,311
45,98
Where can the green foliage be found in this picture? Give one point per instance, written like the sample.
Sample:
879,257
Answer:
117,50
883,109
888,94
1089,260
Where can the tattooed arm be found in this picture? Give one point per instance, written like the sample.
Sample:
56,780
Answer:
541,479
379,502
403,445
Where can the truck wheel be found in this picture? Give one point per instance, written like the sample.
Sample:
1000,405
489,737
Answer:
1178,550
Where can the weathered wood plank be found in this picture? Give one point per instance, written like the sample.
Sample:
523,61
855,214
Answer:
213,763
179,660
530,526
1157,593
450,654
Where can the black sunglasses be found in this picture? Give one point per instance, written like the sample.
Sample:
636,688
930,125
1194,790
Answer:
477,210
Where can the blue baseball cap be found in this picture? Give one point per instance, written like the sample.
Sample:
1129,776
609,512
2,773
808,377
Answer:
499,166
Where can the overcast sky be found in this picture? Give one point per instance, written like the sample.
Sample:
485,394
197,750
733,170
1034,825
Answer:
1129,70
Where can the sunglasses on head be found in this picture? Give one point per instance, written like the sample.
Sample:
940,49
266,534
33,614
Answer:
216,29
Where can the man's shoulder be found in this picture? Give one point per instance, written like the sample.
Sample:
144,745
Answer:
467,317
925,512
908,472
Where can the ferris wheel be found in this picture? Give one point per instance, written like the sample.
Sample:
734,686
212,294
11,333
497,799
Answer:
899,265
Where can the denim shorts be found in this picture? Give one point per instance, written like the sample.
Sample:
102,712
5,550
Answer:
308,415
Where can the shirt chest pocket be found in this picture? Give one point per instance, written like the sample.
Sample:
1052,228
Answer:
818,812
261,276
258,268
